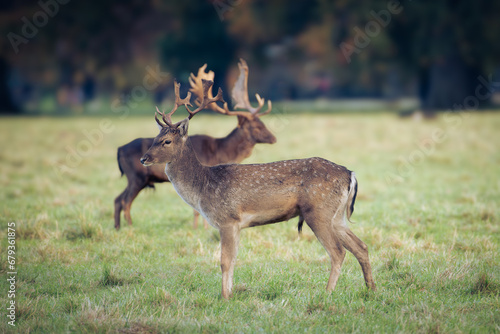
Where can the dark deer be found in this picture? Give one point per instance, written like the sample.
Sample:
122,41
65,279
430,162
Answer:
233,148
232,197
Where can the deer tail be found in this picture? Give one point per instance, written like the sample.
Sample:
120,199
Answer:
118,157
351,196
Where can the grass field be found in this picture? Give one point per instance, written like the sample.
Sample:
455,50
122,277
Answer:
428,209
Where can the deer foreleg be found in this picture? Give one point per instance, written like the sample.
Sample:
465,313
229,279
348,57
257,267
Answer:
196,214
229,239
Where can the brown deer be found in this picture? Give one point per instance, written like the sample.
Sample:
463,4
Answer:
233,148
233,197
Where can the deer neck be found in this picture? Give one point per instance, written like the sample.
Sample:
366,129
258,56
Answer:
187,174
236,145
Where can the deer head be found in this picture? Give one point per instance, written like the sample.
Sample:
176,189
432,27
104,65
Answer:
248,121
173,136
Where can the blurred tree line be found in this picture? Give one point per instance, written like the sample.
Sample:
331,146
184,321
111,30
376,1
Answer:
75,51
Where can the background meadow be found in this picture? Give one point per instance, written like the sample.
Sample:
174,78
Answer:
427,209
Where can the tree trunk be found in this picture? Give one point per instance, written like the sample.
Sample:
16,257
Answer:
7,105
450,86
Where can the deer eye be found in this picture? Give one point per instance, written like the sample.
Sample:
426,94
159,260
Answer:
166,142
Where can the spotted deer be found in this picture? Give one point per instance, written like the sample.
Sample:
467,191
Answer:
233,148
233,197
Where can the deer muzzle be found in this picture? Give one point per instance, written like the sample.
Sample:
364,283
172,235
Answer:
146,160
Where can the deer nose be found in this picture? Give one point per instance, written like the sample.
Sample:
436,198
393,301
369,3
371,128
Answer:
144,159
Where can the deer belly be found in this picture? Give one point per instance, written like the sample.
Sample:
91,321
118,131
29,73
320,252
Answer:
267,216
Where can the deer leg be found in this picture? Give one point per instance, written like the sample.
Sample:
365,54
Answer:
196,214
133,191
119,208
326,235
229,239
358,248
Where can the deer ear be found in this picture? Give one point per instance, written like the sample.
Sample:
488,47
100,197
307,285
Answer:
159,126
183,127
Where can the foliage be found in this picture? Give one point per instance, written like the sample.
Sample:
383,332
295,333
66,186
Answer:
297,49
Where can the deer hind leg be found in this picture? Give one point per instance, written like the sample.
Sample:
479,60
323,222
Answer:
229,239
324,231
133,191
358,248
119,207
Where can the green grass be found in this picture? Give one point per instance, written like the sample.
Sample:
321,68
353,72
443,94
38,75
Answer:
431,222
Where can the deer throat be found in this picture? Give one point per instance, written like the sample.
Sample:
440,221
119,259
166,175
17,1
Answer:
187,175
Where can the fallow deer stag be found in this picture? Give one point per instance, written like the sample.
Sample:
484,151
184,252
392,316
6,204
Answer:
233,148
233,197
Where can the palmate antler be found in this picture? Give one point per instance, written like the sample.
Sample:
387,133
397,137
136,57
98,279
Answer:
206,100
197,84
239,93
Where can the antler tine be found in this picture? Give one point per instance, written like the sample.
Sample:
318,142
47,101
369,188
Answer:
233,113
198,90
206,99
269,108
167,118
197,85
240,92
178,101
156,117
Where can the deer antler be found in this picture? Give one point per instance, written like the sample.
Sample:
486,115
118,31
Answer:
197,84
178,102
239,93
205,101
207,97
198,89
